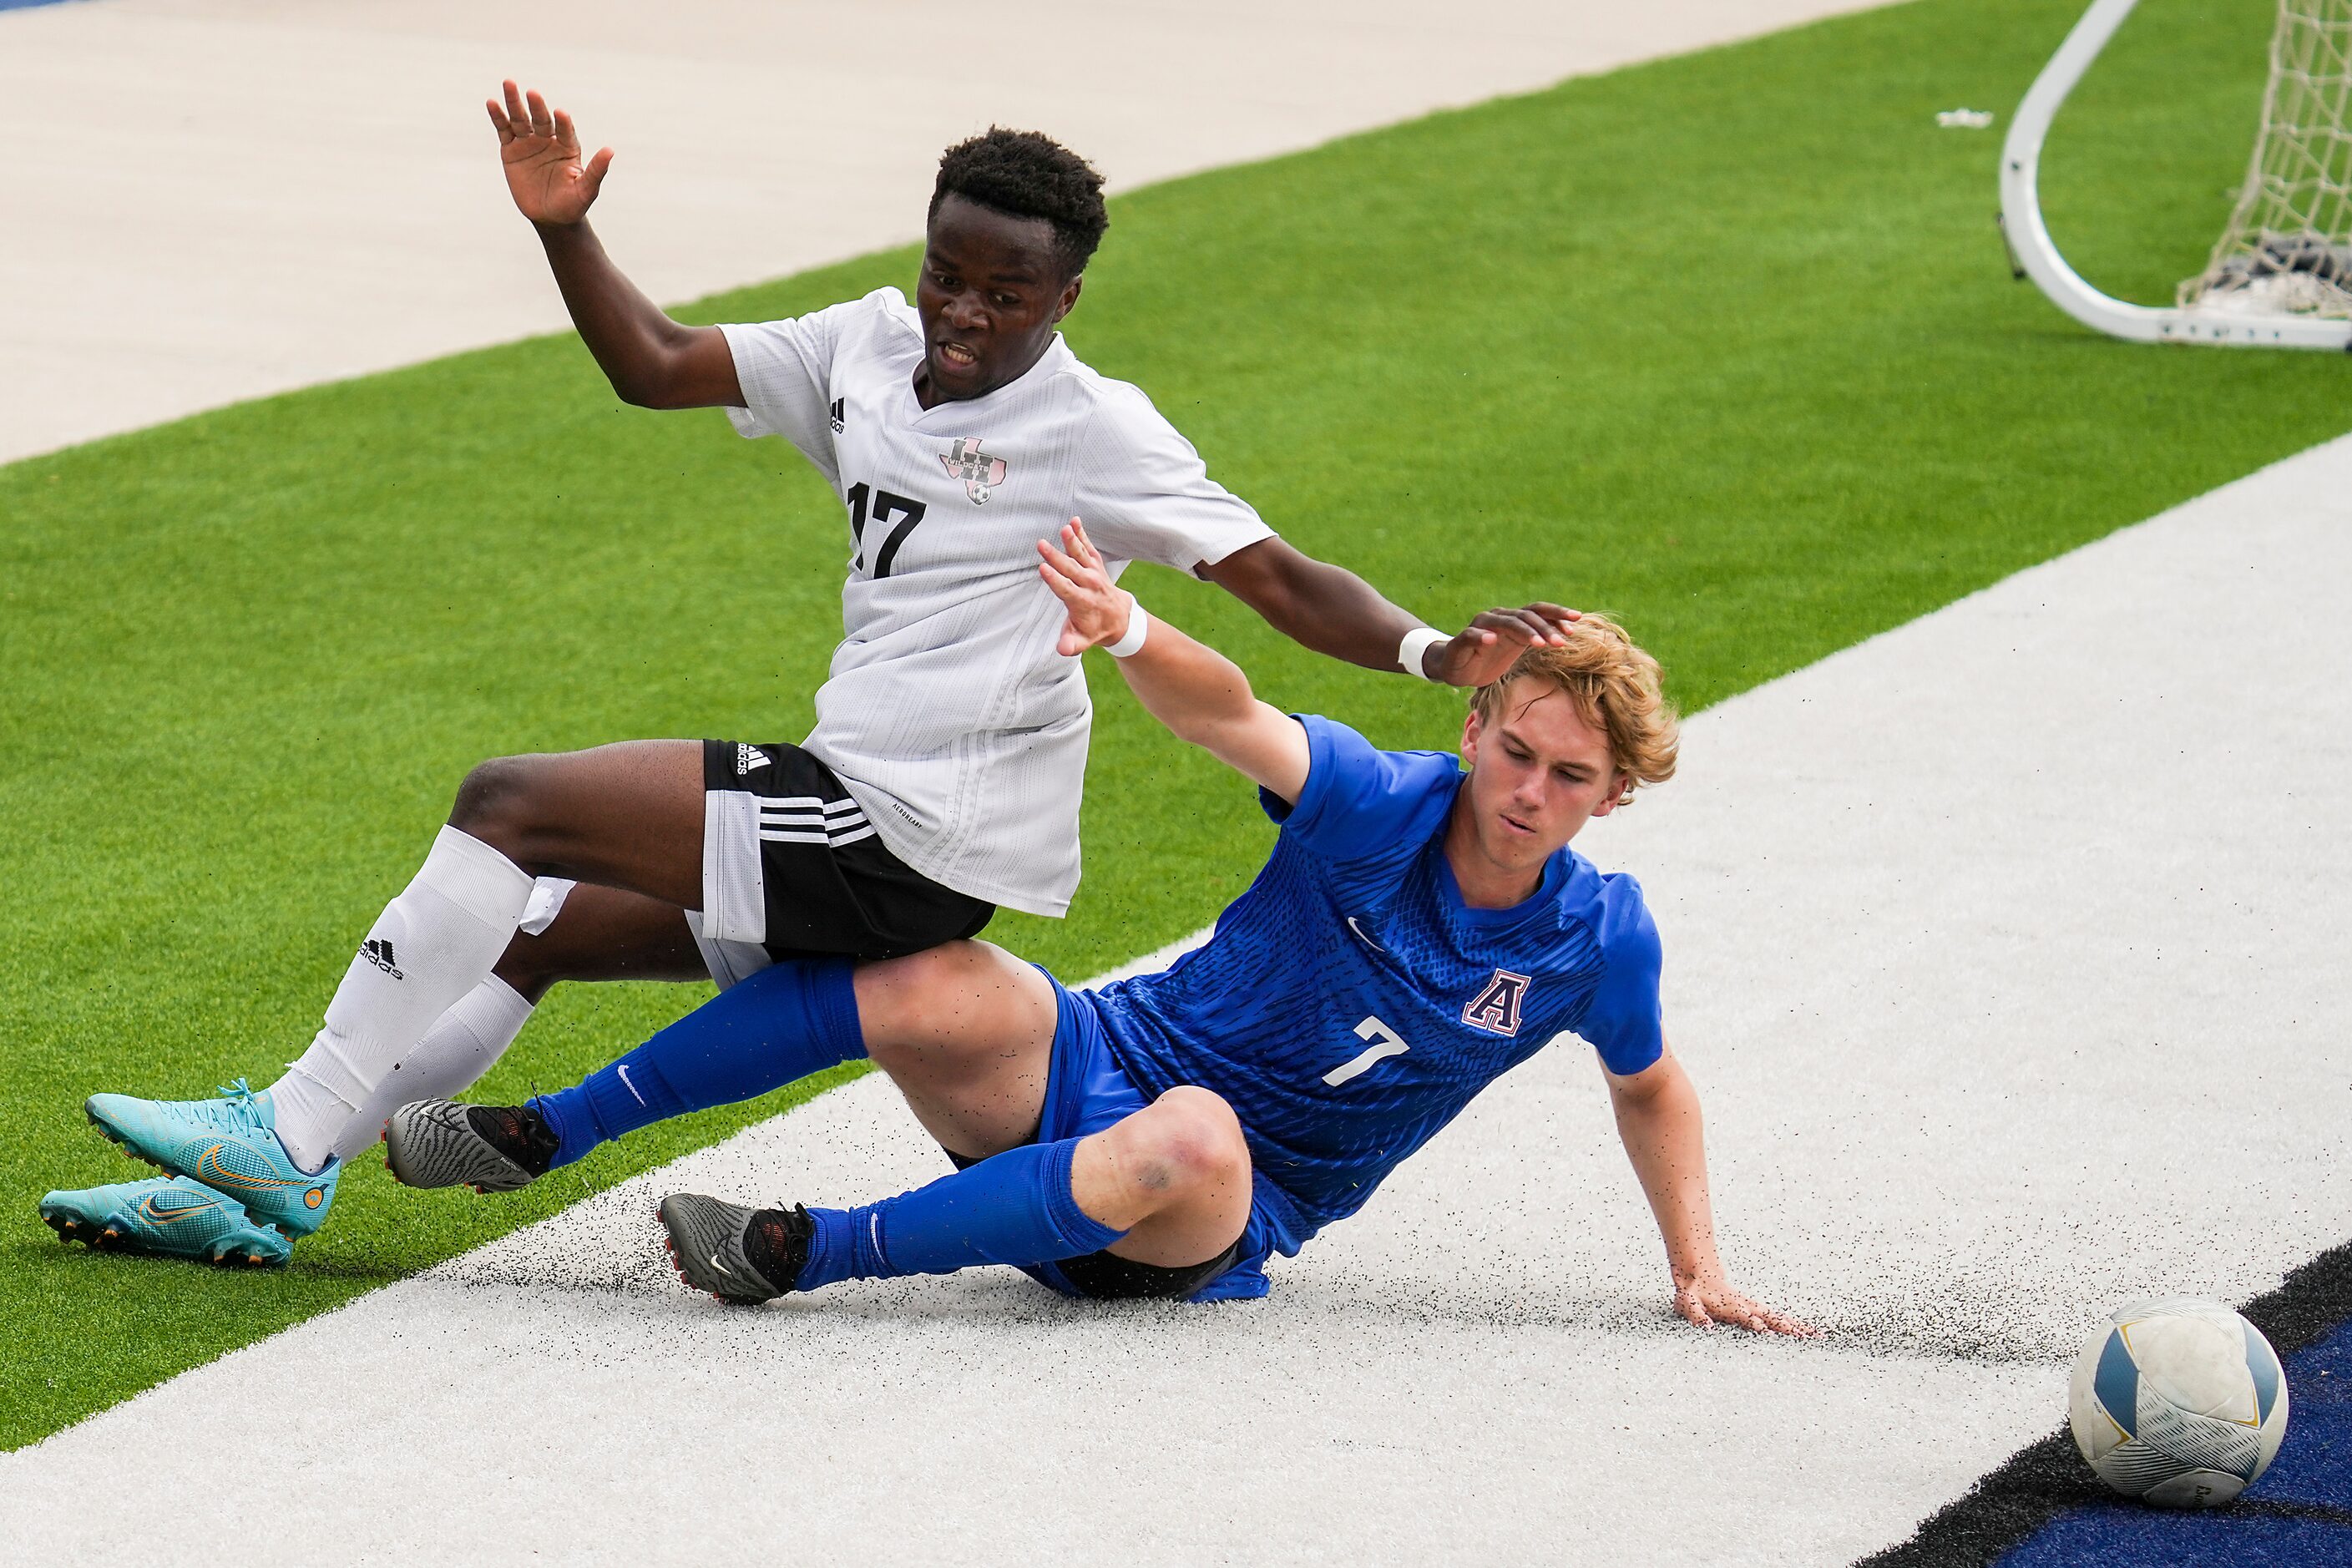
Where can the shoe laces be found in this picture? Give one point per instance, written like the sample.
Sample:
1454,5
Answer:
238,1108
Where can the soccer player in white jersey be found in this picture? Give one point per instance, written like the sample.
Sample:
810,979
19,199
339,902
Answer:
944,774
1418,931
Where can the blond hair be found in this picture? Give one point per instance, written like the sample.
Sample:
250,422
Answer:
1617,687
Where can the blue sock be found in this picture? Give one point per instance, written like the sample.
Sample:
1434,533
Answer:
1015,1208
784,1023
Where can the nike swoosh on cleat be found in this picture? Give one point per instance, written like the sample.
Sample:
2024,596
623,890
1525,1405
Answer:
722,1267
211,1170
149,1211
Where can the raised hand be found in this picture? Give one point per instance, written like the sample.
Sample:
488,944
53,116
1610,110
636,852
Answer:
1487,647
1098,607
1706,1300
541,153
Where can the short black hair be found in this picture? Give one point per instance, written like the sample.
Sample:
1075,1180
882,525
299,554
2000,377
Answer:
1024,174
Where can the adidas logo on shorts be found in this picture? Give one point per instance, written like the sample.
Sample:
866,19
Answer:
748,757
378,951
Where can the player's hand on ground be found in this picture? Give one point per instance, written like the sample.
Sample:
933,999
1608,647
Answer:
1486,647
1098,607
541,153
1708,1300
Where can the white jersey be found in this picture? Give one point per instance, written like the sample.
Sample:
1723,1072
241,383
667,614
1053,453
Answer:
957,729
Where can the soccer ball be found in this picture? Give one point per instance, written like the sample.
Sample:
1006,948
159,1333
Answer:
2178,1402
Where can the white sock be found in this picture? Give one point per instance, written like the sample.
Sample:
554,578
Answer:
307,1113
432,946
453,1055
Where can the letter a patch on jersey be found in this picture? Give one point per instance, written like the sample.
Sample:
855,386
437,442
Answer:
1496,1009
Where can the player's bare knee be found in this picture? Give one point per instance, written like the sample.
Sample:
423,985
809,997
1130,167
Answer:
494,802
1189,1141
505,803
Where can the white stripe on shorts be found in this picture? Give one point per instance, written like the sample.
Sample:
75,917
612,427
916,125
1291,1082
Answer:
806,805
804,819
799,835
734,892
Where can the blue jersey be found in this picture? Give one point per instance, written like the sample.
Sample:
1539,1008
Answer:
1350,1004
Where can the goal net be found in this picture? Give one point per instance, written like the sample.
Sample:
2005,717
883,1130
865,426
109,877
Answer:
2288,247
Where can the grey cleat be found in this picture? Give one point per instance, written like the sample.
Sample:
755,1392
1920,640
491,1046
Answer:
713,1245
489,1148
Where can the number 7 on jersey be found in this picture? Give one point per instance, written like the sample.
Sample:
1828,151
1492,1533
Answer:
1386,1043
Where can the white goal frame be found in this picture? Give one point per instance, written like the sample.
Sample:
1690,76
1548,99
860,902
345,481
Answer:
2037,255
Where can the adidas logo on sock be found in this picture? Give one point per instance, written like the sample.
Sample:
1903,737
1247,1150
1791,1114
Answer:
378,951
748,757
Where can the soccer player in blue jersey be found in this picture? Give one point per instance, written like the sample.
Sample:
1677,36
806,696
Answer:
1419,931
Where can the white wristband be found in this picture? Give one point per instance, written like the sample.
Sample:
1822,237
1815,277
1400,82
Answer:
1416,643
1138,623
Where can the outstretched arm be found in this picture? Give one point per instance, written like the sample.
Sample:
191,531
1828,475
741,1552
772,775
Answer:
1331,610
1658,1118
1196,691
651,360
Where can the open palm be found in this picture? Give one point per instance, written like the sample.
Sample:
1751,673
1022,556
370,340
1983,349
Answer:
1490,645
541,153
1098,607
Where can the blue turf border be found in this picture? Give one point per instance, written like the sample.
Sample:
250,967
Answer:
2043,1509
2299,1512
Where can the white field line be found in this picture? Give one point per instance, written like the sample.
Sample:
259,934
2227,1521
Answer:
2006,949
210,200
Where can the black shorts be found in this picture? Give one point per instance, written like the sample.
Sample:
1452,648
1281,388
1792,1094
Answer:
789,862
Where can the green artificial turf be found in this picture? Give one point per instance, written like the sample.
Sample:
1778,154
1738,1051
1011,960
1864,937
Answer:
1725,344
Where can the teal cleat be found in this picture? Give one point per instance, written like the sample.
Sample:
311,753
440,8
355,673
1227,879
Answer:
229,1144
170,1216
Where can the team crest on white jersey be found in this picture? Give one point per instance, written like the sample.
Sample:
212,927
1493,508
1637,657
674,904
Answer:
1496,1009
979,472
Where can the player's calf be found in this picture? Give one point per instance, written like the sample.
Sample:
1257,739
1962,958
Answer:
598,934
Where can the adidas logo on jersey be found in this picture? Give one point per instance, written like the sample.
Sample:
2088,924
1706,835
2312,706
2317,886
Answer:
979,472
1496,1009
378,951
837,411
747,758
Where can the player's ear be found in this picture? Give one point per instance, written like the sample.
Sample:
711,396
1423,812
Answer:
1619,783
1470,738
1069,299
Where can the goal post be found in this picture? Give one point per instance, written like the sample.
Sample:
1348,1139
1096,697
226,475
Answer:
2281,273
